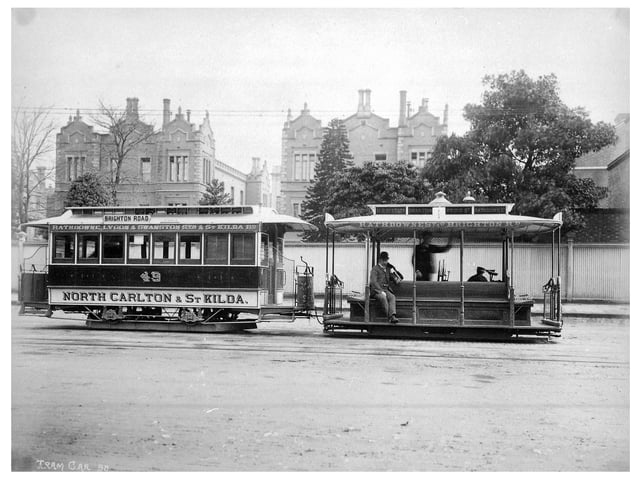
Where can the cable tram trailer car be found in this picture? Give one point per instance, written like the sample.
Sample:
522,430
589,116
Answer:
443,308
171,268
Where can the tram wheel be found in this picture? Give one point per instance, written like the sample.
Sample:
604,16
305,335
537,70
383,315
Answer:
189,315
112,314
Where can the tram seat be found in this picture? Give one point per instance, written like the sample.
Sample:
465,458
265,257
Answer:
477,291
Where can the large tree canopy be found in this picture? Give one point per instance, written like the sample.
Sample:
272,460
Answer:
521,148
375,183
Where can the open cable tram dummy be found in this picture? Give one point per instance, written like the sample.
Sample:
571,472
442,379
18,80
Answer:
202,268
448,306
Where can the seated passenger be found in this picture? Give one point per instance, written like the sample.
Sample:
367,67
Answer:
381,282
478,277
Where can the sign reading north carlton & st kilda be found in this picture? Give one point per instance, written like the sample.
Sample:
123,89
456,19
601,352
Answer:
153,297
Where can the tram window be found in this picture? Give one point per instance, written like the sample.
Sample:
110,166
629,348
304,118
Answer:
243,249
264,250
164,248
217,249
189,249
138,248
88,247
112,248
64,247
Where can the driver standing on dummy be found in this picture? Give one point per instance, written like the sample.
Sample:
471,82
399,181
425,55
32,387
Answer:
423,257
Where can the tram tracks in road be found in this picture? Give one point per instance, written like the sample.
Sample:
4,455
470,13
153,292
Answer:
450,351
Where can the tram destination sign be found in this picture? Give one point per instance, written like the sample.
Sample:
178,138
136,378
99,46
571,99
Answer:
125,218
142,227
165,298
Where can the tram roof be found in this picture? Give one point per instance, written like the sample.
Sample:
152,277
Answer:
444,217
203,214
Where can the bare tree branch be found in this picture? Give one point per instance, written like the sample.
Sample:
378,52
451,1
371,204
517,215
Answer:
30,143
127,132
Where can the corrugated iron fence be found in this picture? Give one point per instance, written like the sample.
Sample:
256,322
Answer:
589,271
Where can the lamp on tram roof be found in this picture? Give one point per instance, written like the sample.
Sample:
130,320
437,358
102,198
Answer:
440,199
469,199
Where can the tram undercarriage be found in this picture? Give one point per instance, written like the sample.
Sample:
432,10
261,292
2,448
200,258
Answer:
434,331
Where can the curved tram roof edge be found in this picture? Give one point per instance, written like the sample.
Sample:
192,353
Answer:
259,215
449,223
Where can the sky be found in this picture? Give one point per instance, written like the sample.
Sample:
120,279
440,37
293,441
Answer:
247,67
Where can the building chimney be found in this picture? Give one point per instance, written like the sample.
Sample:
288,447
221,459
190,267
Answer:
360,100
166,113
256,165
402,120
408,109
134,106
445,117
425,105
367,100
189,116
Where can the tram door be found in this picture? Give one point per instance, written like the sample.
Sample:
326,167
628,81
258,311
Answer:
271,258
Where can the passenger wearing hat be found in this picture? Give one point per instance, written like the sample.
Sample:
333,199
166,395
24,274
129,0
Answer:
478,277
381,281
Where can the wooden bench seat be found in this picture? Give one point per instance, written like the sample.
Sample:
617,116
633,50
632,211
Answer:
485,303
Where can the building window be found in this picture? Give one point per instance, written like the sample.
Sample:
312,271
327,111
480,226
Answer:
233,195
164,248
75,166
138,249
418,158
189,249
178,168
63,247
206,170
217,249
113,248
88,248
243,249
242,197
145,169
380,157
296,210
304,165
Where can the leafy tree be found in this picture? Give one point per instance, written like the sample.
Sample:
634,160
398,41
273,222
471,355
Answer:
30,144
215,194
333,159
376,183
88,190
521,148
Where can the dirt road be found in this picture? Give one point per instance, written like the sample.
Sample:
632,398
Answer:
288,397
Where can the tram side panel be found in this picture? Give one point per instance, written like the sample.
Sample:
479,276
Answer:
74,287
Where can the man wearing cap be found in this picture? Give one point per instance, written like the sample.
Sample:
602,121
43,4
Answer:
381,281
478,277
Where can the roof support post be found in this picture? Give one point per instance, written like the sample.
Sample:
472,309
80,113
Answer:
461,278
512,307
367,289
415,307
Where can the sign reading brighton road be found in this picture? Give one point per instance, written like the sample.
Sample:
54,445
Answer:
165,298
